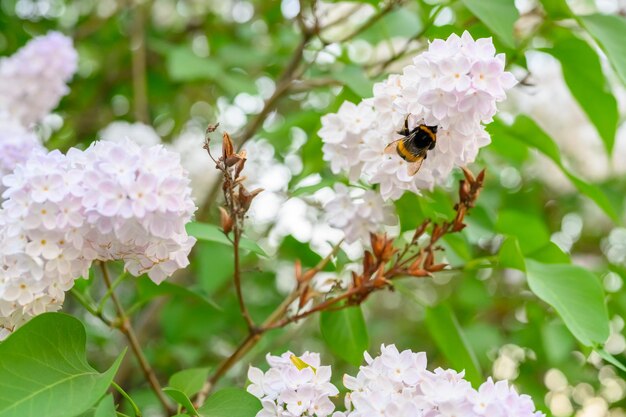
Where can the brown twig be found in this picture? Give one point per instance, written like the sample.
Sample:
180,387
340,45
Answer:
285,83
237,202
126,328
376,274
253,338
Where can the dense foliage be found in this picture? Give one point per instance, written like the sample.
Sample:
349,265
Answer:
504,256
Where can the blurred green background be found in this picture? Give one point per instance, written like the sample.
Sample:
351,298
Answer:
554,190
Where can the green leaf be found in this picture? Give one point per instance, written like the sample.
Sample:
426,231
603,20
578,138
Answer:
457,246
44,368
498,15
448,335
214,265
212,233
530,231
526,131
550,254
230,402
189,381
354,77
576,294
310,189
510,255
557,9
182,399
345,333
610,32
106,407
611,359
584,77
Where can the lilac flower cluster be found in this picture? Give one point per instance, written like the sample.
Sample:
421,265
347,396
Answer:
393,384
16,144
32,83
113,201
33,80
293,386
398,384
454,85
358,212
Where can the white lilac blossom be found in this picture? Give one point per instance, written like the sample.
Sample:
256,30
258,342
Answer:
16,145
397,384
358,212
141,134
33,80
454,85
393,384
113,201
293,386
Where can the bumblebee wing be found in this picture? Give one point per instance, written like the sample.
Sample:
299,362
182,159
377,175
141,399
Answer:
392,148
415,166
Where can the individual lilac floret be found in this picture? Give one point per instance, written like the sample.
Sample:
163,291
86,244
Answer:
16,146
293,386
397,384
113,201
454,85
358,212
33,80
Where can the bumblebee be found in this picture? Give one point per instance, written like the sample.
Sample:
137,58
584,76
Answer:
413,147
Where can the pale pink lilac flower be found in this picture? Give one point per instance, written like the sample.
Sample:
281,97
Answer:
397,384
293,386
453,85
393,384
113,201
358,212
16,145
34,79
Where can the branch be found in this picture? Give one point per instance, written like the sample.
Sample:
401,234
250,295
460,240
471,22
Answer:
138,49
253,338
392,4
375,276
282,87
127,328
237,279
404,50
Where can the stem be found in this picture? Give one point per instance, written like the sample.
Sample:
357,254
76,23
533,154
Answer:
282,87
375,18
110,290
237,277
128,398
254,337
403,51
138,49
127,328
90,307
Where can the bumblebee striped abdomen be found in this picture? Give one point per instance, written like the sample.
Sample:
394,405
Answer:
405,153
413,147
